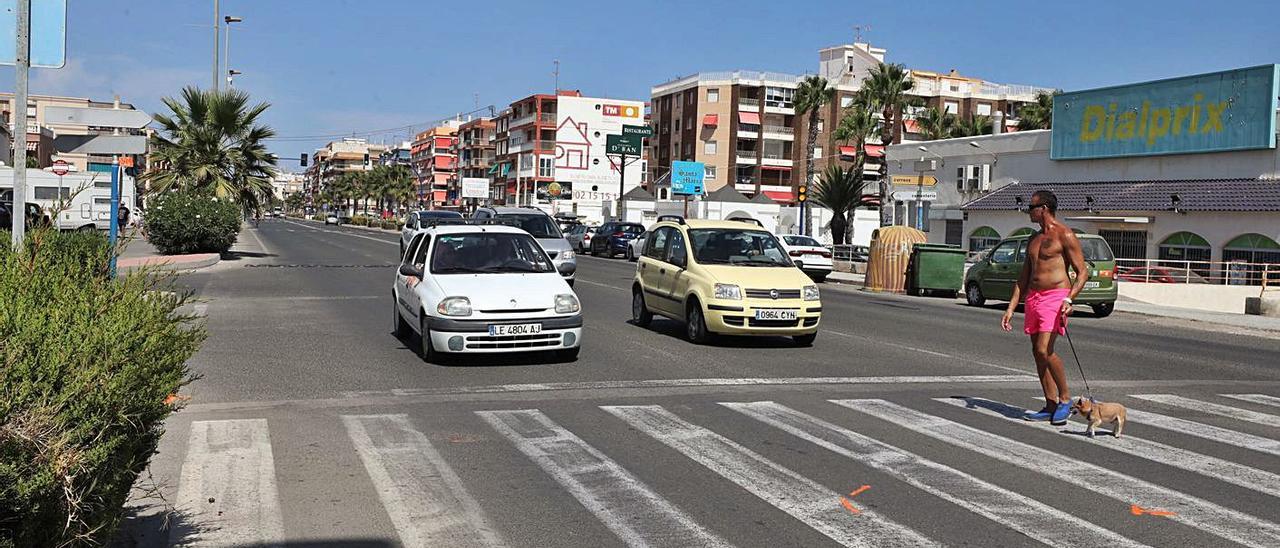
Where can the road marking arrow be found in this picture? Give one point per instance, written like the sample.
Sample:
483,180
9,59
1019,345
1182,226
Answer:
849,505
1138,511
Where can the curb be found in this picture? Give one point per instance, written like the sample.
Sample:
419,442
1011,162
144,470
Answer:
1200,321
164,262
370,229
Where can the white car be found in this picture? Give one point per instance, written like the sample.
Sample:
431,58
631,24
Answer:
484,288
808,255
636,247
331,219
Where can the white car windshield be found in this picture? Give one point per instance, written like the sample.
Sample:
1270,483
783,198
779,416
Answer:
540,226
801,241
488,253
737,247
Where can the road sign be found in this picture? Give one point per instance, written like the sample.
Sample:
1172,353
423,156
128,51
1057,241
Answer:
686,178
60,168
100,144
475,187
643,131
100,117
910,196
926,165
626,145
48,33
913,180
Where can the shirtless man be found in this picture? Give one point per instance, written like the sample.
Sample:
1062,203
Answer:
1049,292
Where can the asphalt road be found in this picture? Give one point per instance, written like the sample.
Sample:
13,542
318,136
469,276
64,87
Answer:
311,425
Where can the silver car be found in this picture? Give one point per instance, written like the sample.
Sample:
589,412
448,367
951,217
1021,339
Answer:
544,229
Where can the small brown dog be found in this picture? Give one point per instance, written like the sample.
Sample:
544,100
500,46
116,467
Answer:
1097,412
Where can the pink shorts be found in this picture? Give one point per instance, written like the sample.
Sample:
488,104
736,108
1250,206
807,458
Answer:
1041,311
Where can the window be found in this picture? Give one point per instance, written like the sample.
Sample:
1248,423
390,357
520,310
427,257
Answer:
711,173
954,87
656,247
846,101
51,193
678,254
779,97
1184,249
709,147
485,253
955,232
1006,253
983,238
546,166
688,149
1127,244
819,126
817,152
984,109
960,178
951,107
713,95
412,250
677,124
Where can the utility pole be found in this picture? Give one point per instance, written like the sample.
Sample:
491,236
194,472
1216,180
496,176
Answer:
22,65
556,89
217,28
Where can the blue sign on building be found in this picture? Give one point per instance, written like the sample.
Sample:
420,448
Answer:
1215,112
48,33
686,178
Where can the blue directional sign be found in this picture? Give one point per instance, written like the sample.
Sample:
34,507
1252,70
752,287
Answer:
48,33
686,178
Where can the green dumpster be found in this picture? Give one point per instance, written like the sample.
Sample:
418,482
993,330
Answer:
935,269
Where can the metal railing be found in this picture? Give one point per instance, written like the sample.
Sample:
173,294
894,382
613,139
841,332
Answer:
781,130
850,253
546,145
1196,272
749,102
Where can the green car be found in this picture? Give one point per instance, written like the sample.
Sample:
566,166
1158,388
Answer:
996,272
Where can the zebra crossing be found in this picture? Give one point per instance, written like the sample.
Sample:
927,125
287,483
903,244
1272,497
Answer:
229,489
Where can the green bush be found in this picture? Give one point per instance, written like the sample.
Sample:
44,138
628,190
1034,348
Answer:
86,365
390,225
192,222
360,220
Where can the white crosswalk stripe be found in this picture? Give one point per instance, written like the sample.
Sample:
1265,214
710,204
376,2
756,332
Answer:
1213,467
1212,408
1206,431
1208,517
227,490
623,503
798,496
1020,513
1255,398
423,496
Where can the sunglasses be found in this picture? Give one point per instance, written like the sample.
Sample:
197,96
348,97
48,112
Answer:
1029,209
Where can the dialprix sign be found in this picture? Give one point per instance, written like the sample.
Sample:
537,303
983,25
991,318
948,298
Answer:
1220,111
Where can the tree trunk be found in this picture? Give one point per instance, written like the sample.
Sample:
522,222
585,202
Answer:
808,169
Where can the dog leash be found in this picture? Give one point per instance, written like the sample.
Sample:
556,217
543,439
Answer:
1071,343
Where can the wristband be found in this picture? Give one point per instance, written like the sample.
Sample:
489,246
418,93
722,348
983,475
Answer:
1067,300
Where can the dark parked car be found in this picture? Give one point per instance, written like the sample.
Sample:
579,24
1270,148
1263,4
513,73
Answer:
613,238
35,216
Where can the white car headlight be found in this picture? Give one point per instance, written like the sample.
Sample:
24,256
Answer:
567,255
811,293
454,306
729,292
567,304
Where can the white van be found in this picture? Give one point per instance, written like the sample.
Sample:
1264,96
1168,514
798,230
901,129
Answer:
85,197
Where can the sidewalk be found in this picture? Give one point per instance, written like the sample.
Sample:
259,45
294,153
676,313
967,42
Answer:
847,278
1262,323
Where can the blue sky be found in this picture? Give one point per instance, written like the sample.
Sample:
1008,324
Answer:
340,66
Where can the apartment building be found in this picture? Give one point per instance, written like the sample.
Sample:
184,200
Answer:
41,130
744,127
476,151
435,161
741,124
398,155
525,147
339,157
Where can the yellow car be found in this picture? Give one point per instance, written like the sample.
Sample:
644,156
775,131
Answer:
723,277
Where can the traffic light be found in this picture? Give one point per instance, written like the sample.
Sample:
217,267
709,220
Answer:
303,159
366,158
802,193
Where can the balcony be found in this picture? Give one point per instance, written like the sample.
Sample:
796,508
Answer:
546,146
749,131
748,103
776,159
780,132
747,157
779,107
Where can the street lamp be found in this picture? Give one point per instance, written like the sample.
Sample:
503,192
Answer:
926,150
231,75
226,56
922,167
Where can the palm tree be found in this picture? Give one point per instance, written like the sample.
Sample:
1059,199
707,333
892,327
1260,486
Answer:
1038,115
977,125
841,191
211,141
812,93
295,201
342,189
935,124
887,85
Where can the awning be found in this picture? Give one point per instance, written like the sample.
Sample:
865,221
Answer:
711,120
874,151
911,126
506,168
444,142
848,151
779,196
776,168
749,118
493,169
